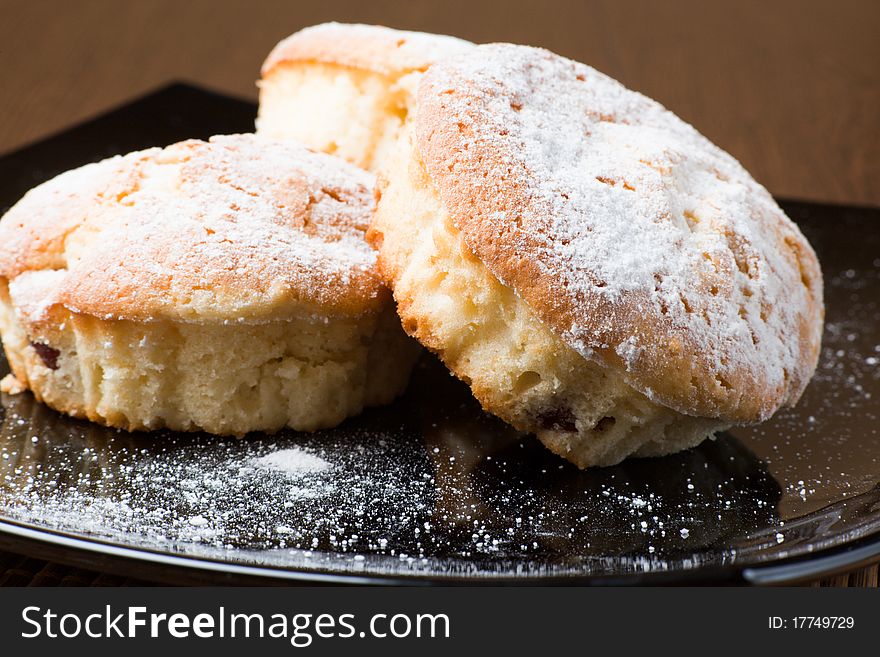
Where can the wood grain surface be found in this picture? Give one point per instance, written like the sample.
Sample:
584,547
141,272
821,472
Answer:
790,88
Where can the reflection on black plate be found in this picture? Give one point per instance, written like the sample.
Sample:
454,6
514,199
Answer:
431,487
426,483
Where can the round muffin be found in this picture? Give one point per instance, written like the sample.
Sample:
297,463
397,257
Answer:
222,286
597,271
346,89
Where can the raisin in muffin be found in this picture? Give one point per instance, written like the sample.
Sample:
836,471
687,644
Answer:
596,270
222,286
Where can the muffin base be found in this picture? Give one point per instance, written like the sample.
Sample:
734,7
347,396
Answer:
223,378
516,366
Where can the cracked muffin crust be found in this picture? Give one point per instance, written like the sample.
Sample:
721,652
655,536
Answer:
222,286
345,89
596,270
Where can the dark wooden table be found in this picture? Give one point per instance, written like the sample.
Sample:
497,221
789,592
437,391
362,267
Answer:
791,88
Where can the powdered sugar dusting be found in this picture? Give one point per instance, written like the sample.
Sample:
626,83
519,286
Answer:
34,292
448,483
619,223
294,462
432,486
238,227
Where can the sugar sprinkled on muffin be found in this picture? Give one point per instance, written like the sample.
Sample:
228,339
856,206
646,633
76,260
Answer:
223,286
596,270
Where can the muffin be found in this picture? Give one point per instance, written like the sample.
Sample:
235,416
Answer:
346,89
597,271
222,286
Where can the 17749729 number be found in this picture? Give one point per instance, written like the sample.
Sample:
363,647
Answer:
811,622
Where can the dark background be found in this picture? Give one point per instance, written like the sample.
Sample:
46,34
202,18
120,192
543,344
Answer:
790,88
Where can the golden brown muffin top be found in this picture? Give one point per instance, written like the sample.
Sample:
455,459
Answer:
235,229
641,244
369,47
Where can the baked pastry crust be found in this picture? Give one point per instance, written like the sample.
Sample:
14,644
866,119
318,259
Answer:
346,89
535,282
368,47
237,227
644,246
222,285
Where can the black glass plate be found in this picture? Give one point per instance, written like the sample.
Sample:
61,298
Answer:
431,489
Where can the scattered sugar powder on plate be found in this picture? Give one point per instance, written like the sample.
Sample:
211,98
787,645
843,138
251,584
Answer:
294,462
432,477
